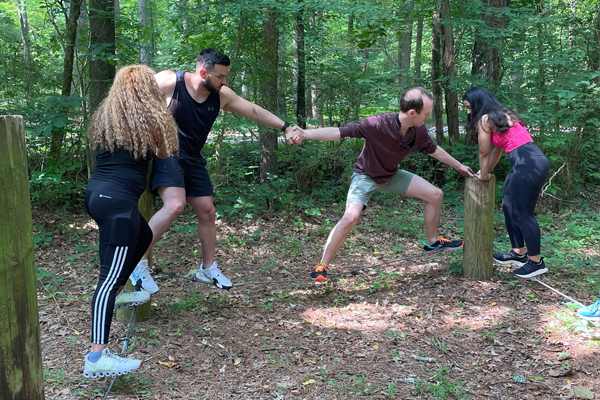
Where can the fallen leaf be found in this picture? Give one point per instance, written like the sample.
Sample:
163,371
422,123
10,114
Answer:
309,382
582,392
169,364
237,361
563,356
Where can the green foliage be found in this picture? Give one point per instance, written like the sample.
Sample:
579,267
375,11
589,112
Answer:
440,386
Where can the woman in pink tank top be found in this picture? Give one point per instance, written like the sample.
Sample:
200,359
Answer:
500,126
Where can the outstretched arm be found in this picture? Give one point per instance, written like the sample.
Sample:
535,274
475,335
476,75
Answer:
484,133
230,101
443,156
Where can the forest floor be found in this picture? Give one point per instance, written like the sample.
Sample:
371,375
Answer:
401,328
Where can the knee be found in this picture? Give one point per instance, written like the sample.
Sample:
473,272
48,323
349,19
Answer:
174,208
436,196
206,214
349,220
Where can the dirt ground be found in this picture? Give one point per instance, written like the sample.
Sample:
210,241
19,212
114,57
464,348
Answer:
401,329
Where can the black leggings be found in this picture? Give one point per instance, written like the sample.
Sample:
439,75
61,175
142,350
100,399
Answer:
521,191
124,238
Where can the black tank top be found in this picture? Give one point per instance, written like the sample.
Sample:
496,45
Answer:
194,119
119,173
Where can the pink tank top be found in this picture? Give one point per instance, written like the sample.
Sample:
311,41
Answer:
515,137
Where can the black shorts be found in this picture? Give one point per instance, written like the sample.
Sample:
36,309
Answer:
185,172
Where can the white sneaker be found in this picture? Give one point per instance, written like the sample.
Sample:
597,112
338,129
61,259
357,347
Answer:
213,276
129,299
109,364
142,272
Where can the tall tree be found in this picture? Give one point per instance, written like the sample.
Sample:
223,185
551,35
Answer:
419,48
102,42
143,18
317,81
24,25
405,34
301,75
436,59
268,91
58,136
449,73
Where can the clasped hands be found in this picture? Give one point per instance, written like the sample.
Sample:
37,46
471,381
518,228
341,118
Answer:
295,135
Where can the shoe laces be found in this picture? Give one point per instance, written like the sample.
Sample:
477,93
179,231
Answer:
442,239
320,267
596,306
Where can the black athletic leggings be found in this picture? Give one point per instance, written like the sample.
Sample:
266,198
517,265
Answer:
124,238
521,191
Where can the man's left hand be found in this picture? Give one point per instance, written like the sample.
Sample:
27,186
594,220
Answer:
465,171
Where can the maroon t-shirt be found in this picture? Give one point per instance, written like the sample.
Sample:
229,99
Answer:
383,151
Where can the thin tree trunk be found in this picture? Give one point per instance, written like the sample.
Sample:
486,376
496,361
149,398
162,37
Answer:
419,48
102,72
301,76
24,25
436,58
317,84
58,136
497,21
269,58
404,51
449,73
143,18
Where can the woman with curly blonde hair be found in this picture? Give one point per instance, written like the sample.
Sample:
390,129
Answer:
131,127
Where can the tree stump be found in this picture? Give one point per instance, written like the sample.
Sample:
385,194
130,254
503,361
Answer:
479,228
146,206
21,375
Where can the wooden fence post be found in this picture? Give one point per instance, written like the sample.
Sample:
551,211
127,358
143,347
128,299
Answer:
21,374
479,228
146,207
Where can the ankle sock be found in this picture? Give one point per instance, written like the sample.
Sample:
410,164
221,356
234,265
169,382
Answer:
94,356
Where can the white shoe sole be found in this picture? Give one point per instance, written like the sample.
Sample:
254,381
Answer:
536,273
510,262
589,318
200,277
138,303
89,374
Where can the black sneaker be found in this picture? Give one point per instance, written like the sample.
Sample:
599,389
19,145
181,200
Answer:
442,244
513,258
319,273
531,269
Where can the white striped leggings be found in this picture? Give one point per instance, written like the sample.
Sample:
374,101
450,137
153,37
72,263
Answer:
124,238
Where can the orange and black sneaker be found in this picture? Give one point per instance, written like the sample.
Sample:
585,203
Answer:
319,273
442,244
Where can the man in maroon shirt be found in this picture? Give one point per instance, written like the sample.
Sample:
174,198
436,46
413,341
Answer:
388,139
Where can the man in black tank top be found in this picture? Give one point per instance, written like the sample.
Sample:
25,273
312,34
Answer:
195,99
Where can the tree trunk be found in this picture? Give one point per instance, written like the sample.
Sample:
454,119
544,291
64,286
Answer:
21,374
102,72
404,51
497,21
143,18
58,136
269,58
24,25
449,73
436,58
317,83
419,49
479,228
301,76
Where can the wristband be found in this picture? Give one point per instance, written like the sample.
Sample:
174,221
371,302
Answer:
285,126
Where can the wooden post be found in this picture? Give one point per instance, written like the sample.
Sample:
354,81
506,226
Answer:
21,375
479,228
146,206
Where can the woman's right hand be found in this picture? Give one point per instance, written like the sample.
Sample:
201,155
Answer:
485,178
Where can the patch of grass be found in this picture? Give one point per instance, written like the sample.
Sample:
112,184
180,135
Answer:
440,387
191,302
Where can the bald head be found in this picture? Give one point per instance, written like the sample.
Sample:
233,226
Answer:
412,99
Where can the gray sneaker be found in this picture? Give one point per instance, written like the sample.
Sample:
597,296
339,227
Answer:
109,364
213,276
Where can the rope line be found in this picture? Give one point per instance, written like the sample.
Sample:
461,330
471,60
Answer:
194,279
554,290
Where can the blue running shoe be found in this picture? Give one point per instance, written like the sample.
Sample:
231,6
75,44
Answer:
591,312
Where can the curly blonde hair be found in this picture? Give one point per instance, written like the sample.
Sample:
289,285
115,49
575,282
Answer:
134,115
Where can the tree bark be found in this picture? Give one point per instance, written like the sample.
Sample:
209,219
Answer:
143,18
270,59
58,136
436,58
404,51
102,72
419,49
24,25
317,83
21,374
449,73
301,76
479,228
